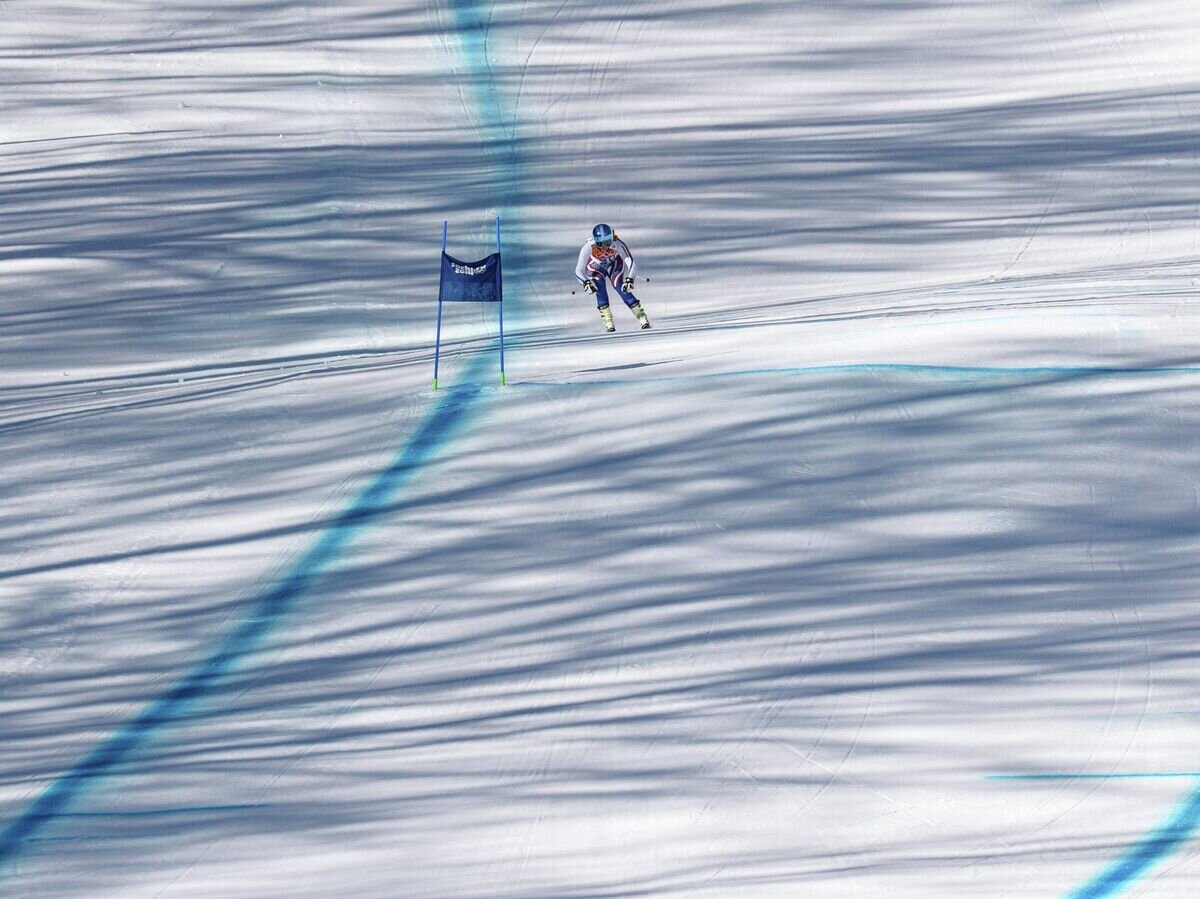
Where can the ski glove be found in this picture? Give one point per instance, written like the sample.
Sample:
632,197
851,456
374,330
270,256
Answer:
627,285
589,286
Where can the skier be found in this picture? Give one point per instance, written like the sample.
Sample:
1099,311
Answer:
606,258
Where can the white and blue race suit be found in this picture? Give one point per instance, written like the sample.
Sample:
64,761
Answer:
605,264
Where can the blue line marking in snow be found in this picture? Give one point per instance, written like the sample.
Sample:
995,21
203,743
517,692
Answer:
1146,852
271,607
955,371
178,810
265,613
473,34
1064,776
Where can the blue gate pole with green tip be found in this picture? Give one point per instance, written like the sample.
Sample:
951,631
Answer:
500,278
437,345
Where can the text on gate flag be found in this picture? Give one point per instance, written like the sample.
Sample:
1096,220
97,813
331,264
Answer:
472,282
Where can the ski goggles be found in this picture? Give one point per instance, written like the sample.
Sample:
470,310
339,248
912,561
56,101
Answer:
603,244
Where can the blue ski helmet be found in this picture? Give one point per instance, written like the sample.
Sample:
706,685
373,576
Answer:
602,235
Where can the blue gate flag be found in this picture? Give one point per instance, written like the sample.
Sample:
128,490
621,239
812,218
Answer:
469,282
473,282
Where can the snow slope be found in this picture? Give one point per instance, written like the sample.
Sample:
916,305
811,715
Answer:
867,572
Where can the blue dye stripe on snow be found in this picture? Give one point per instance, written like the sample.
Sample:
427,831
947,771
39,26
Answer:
265,613
178,810
1146,852
1132,776
270,608
953,371
471,29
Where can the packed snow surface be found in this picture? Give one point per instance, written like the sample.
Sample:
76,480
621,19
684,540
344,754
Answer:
869,571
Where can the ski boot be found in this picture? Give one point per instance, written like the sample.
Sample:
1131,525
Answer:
643,319
606,317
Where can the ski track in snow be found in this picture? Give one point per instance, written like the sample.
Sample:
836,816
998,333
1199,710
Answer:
786,676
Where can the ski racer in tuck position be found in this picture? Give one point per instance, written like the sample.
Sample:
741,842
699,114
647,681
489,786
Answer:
607,258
